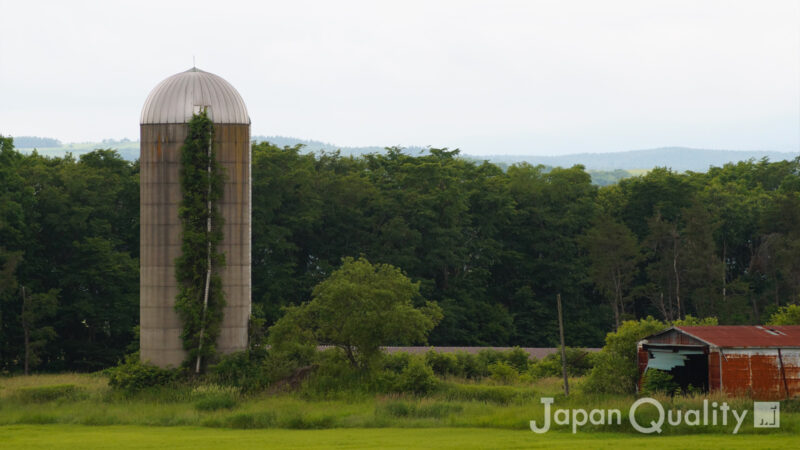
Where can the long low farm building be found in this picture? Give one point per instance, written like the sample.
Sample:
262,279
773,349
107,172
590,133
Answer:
760,361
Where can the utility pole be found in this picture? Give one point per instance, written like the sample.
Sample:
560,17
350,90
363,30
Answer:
563,349
26,330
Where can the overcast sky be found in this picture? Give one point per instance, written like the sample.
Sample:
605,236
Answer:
490,77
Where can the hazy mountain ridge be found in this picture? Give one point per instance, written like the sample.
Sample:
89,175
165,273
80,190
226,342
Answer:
310,145
677,158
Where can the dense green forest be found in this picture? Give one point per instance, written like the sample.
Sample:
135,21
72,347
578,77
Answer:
492,247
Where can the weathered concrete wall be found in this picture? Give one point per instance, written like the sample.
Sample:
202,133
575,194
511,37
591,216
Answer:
160,196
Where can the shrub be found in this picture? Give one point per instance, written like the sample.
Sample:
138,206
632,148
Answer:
518,359
133,376
246,370
255,369
468,365
42,394
236,369
579,363
489,356
615,369
417,378
442,364
549,366
335,376
396,362
503,373
658,382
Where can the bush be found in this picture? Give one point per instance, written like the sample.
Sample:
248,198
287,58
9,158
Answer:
133,376
469,366
579,363
417,378
549,366
466,365
518,359
503,373
335,376
237,369
255,369
658,382
396,362
443,364
246,370
42,394
615,370
489,356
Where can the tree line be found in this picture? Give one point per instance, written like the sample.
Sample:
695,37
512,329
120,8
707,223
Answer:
492,247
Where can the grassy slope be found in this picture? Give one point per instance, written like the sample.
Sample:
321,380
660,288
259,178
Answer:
121,437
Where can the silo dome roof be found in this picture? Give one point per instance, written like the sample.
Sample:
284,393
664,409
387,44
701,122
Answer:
178,97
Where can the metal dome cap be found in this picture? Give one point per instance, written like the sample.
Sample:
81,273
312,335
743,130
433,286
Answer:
178,97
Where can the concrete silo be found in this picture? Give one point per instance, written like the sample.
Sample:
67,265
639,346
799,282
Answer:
165,115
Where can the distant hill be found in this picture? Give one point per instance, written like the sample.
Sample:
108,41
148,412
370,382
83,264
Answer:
35,141
677,158
127,149
317,146
605,168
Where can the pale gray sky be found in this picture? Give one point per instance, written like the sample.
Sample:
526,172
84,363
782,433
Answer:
515,77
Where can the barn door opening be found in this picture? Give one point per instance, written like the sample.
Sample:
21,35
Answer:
694,373
688,367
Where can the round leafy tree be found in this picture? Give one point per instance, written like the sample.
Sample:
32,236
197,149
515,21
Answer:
359,308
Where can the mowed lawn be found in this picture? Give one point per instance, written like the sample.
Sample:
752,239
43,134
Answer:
122,437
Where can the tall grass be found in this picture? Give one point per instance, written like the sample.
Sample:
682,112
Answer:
44,399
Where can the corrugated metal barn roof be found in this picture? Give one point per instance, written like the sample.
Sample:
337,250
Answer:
746,336
177,98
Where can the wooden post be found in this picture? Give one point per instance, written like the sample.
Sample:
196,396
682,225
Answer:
563,349
26,331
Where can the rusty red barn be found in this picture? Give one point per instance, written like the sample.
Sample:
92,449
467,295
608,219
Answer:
761,361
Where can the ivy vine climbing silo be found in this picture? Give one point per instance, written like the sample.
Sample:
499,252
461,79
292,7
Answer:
165,115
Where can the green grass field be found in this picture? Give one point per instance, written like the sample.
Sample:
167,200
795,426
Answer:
122,437
80,411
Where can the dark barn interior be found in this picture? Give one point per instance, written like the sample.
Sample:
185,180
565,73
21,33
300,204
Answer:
688,365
